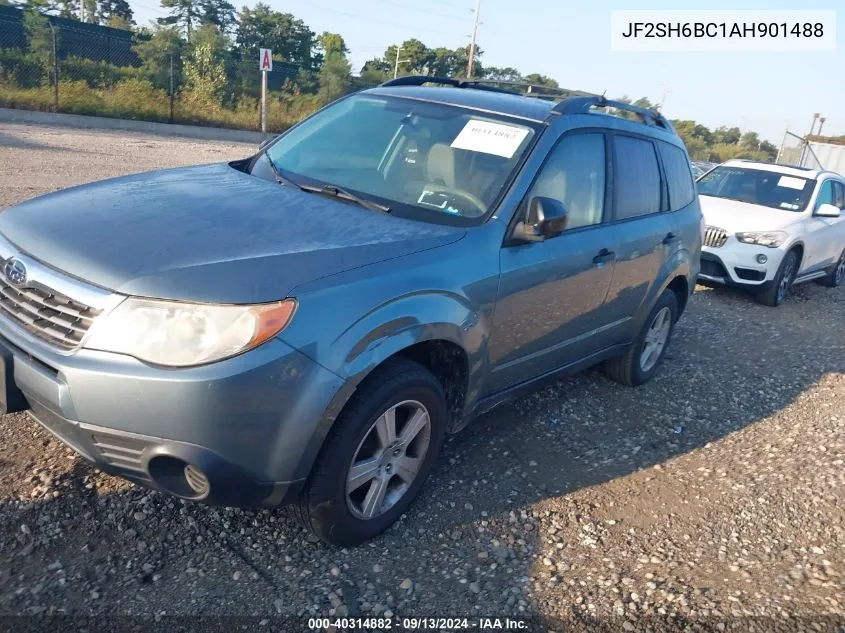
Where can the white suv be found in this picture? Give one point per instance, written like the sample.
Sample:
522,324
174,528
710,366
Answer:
771,226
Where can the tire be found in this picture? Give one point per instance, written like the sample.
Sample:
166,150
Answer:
837,274
631,369
326,507
779,289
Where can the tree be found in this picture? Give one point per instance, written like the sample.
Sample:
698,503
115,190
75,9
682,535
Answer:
644,102
769,150
290,38
335,76
219,13
183,13
163,47
414,56
703,132
750,140
330,43
727,136
205,70
374,72
114,12
67,8
89,8
39,39
541,80
502,74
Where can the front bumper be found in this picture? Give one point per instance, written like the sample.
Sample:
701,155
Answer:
735,264
251,425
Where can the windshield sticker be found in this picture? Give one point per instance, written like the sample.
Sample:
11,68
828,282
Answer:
438,200
792,183
490,138
790,206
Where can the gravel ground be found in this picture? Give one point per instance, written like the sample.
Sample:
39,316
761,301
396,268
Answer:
713,493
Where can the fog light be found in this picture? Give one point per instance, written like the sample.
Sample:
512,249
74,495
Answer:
762,259
196,479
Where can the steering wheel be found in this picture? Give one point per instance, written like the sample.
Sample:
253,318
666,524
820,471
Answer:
474,200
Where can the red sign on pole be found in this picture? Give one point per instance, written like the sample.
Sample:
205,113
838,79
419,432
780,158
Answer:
265,59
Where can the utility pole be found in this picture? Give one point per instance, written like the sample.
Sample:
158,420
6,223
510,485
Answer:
821,125
398,61
474,36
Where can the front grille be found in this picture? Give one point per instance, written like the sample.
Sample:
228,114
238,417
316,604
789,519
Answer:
123,452
715,237
50,316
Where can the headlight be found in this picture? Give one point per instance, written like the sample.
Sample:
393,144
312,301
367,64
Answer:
183,334
772,239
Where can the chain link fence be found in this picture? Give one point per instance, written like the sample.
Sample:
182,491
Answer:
61,65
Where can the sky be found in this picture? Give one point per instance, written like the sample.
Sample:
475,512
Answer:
569,41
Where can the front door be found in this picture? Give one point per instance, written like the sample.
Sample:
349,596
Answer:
549,307
821,231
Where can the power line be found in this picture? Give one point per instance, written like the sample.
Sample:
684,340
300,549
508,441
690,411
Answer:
425,11
356,16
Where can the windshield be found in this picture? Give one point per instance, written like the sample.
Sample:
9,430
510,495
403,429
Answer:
429,159
757,186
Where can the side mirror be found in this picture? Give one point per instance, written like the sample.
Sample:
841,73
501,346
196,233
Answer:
546,218
828,211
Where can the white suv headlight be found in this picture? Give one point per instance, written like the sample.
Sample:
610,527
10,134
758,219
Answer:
183,334
772,239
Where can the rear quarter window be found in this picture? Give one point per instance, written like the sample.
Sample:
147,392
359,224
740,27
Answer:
678,176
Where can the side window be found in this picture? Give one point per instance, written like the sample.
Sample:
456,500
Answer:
678,175
839,195
575,174
825,194
637,178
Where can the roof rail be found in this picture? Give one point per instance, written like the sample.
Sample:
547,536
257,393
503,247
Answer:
522,88
583,105
419,80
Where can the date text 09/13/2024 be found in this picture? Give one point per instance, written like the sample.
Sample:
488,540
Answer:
418,624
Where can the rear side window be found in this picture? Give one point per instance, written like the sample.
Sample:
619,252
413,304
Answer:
637,178
678,176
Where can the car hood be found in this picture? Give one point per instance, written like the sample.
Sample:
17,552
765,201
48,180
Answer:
733,215
208,233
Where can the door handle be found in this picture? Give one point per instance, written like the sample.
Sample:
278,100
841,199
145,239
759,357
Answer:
603,257
670,237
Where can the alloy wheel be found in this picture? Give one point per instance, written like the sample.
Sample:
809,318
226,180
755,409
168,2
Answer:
655,339
839,273
786,278
388,459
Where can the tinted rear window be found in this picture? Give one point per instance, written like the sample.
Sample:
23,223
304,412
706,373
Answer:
637,178
677,167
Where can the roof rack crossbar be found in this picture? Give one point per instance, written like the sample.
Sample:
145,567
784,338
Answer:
583,105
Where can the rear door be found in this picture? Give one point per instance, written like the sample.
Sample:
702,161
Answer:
644,231
683,204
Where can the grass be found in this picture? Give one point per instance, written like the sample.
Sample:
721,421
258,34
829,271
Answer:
138,99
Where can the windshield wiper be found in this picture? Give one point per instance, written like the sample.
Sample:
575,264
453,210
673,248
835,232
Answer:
282,180
337,192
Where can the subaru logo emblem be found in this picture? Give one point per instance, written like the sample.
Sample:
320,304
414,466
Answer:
15,271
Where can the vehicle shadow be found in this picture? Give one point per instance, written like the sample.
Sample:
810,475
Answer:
471,543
